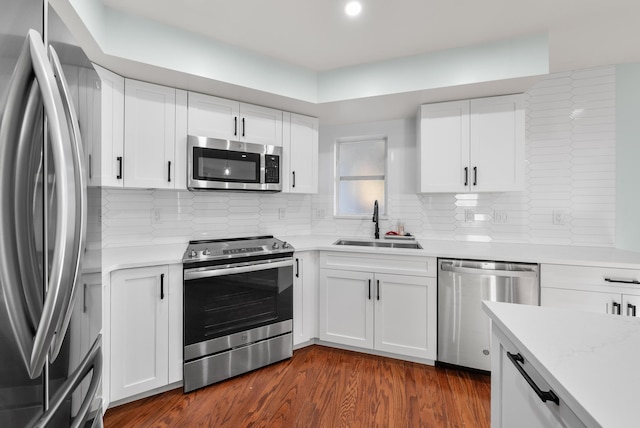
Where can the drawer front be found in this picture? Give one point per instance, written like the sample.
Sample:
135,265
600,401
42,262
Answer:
590,278
383,263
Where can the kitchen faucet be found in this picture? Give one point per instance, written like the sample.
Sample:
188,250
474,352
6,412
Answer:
376,219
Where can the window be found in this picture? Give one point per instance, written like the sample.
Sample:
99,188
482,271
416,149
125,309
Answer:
361,167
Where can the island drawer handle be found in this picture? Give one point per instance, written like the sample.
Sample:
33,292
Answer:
623,281
545,396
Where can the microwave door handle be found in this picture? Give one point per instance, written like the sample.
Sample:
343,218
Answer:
80,192
13,127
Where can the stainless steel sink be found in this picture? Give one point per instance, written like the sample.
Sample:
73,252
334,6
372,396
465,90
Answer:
383,244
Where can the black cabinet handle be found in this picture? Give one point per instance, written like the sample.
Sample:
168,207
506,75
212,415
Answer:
632,308
378,283
622,281
369,289
294,179
243,127
169,172
466,175
119,176
90,168
235,125
297,268
616,308
84,299
545,396
475,175
161,286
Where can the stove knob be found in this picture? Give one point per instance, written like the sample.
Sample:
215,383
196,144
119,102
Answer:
275,246
193,254
206,252
285,244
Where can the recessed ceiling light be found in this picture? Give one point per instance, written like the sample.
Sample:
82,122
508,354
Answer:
353,8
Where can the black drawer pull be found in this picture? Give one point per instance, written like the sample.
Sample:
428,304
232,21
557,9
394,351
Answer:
622,281
545,396
466,176
297,268
378,281
169,172
616,308
369,289
475,175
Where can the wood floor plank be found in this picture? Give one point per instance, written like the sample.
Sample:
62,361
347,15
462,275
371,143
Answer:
322,387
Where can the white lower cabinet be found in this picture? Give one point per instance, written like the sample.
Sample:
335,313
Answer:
514,402
377,310
144,325
595,289
305,297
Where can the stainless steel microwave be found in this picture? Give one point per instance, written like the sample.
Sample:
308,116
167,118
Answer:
232,165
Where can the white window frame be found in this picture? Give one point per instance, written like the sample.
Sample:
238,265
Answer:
336,182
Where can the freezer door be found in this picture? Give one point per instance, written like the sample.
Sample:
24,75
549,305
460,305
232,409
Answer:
464,330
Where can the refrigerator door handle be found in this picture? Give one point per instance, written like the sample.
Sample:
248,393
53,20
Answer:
91,362
80,191
33,60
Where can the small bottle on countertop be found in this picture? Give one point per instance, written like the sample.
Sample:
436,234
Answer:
400,228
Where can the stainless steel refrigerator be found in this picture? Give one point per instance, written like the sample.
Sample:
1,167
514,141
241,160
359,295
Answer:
50,234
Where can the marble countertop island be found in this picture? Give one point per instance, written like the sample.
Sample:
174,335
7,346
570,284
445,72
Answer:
590,360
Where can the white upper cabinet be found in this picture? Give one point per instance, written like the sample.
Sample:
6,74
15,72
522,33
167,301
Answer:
105,155
150,120
300,158
215,117
471,145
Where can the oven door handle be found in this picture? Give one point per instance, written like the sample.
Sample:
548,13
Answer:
209,272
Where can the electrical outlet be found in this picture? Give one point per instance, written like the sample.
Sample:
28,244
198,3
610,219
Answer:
559,217
319,213
155,216
282,213
500,216
469,216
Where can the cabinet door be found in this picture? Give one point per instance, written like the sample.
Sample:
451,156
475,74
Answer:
497,144
213,117
346,307
443,147
150,115
513,401
139,331
606,303
301,154
260,125
305,298
630,305
406,315
84,327
176,346
106,163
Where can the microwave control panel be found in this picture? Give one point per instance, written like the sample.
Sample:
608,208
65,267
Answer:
272,169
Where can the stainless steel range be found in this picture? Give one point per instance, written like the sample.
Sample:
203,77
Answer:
238,307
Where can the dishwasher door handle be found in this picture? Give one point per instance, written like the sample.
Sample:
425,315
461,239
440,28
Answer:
449,267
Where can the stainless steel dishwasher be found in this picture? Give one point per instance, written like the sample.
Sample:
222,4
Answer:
464,330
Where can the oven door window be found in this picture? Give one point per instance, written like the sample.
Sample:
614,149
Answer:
222,305
226,165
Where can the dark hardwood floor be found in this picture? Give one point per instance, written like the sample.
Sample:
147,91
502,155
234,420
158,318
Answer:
322,387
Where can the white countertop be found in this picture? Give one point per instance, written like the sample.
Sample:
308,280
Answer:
557,254
147,255
589,360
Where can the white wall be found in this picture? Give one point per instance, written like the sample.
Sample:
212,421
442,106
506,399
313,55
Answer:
628,156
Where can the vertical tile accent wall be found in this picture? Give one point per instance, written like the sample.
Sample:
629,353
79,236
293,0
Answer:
570,152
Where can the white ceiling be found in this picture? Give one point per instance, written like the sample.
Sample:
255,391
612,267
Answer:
317,35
